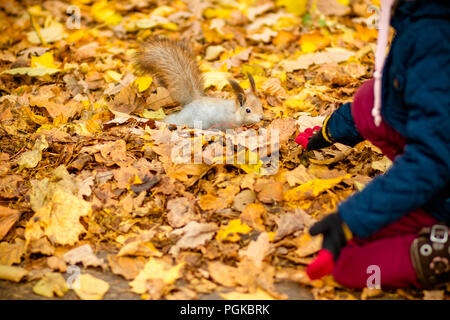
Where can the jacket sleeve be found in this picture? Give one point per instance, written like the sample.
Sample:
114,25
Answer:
424,168
340,126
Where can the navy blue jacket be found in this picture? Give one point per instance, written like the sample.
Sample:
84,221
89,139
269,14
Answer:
418,107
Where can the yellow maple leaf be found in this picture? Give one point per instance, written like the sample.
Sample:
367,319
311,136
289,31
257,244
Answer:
45,60
312,188
143,83
156,269
230,232
59,219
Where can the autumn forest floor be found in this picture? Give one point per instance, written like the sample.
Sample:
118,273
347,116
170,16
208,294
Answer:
92,202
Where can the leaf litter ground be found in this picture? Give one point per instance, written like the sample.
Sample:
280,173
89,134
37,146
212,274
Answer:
92,203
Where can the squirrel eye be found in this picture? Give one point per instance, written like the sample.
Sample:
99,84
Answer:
248,110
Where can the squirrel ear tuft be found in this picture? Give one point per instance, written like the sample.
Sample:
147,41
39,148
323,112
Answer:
252,82
238,91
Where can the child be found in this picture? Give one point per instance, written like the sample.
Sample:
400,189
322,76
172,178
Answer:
397,223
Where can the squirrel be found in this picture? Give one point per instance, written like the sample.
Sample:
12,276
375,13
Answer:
174,66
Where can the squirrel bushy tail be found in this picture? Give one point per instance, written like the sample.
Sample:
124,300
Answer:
174,66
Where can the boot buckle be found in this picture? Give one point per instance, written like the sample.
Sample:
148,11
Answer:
439,233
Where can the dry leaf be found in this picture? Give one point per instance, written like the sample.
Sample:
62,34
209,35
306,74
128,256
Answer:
269,192
59,219
11,253
156,269
125,266
83,254
91,288
291,222
257,250
243,198
368,293
181,211
8,218
12,273
192,235
308,245
253,214
222,273
56,263
50,285
303,62
232,230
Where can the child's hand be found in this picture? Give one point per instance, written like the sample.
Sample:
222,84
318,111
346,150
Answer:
317,141
312,139
335,235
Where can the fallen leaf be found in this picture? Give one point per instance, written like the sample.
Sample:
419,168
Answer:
257,250
91,288
222,273
56,263
368,293
59,219
42,246
83,254
332,7
291,222
382,165
285,128
126,267
213,52
11,253
243,198
156,269
30,159
312,188
50,285
299,175
181,212
12,273
192,235
8,217
231,231
308,245
253,214
304,61
269,192
216,79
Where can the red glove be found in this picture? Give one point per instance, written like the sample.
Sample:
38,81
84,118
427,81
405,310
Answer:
303,138
321,266
335,235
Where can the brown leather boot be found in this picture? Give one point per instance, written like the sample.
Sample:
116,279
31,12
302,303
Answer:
430,254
